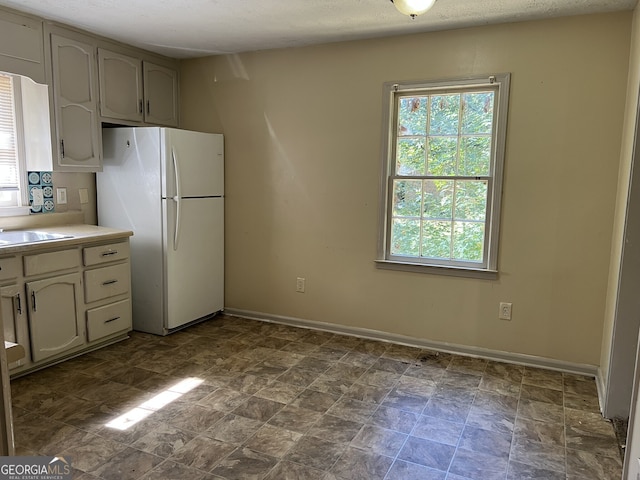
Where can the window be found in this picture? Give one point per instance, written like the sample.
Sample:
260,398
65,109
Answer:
443,159
12,192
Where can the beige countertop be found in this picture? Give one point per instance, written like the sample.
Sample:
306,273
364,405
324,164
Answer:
78,235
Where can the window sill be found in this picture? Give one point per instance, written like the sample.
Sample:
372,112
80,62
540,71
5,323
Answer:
14,211
437,269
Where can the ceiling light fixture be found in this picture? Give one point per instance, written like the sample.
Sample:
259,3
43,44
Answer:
413,8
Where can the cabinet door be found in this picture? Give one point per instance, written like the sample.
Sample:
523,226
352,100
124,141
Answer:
55,323
75,102
14,319
120,86
21,46
161,95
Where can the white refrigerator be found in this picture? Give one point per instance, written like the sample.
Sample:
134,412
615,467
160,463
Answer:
167,186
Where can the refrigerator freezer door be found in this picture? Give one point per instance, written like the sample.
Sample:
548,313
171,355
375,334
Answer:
195,270
193,162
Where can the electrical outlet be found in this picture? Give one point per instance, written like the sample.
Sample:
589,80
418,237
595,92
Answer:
62,195
300,284
505,311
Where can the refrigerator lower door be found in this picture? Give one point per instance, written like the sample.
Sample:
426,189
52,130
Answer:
194,272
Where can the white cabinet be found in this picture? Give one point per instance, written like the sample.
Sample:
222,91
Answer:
21,46
12,305
14,319
120,86
161,95
55,321
107,289
75,92
135,90
59,302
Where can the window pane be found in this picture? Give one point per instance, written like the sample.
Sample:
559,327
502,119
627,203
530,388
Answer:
407,198
471,200
477,112
436,239
475,156
468,241
405,237
443,152
412,116
410,157
445,113
438,199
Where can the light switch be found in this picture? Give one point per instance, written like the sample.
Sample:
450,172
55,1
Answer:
62,195
84,195
38,197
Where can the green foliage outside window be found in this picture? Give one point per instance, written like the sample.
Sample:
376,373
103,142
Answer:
442,141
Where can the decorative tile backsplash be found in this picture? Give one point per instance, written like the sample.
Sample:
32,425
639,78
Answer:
40,192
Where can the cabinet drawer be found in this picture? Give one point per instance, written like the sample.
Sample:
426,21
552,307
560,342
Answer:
106,282
109,319
9,268
51,262
105,253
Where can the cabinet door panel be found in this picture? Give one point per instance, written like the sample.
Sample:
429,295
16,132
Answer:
75,101
14,319
75,118
54,307
161,95
21,46
120,86
108,319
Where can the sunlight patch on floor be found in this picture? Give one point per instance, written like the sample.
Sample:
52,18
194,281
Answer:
164,398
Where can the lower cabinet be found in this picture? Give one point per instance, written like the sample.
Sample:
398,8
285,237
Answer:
55,320
108,319
61,302
14,319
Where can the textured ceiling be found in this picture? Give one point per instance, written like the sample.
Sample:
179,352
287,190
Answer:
192,28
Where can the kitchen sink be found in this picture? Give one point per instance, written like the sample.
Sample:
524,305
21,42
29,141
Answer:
28,236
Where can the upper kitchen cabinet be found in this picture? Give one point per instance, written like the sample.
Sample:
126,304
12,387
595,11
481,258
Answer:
75,102
135,90
161,94
120,86
22,46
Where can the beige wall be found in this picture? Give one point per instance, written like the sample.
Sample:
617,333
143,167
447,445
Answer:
303,136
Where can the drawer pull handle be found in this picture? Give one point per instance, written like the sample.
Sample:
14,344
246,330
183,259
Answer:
112,320
110,252
109,282
18,304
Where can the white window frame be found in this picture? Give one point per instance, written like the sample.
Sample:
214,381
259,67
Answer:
499,83
19,204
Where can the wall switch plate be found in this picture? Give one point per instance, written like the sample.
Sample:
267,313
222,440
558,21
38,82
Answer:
84,195
38,196
505,311
62,195
300,285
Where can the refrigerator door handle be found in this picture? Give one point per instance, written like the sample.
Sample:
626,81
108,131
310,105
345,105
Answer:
177,198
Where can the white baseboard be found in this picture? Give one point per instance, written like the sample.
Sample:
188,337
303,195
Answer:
517,358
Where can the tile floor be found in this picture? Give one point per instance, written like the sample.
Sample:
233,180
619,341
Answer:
281,403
